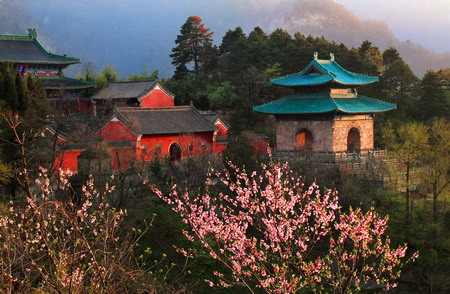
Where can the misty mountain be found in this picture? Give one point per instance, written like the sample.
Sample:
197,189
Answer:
135,34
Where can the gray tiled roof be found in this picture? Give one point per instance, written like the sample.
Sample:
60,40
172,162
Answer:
29,51
164,120
213,116
132,89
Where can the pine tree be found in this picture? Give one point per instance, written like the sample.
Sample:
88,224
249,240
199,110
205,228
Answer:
194,48
398,84
434,98
22,94
8,90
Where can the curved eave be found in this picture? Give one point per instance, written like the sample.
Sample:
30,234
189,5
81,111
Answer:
63,83
297,105
41,62
362,104
336,74
68,87
328,80
302,105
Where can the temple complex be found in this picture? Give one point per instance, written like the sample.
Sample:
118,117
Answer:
325,113
142,94
28,55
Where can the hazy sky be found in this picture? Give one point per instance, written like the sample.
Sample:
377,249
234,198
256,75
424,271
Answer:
424,21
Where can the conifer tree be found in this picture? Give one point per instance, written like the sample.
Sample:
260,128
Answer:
8,92
194,48
398,85
434,98
22,94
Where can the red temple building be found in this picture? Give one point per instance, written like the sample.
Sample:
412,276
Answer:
134,135
133,121
140,122
325,113
142,94
28,55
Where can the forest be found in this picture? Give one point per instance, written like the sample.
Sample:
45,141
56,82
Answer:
240,223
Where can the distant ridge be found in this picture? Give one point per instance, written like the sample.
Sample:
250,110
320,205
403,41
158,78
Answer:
138,33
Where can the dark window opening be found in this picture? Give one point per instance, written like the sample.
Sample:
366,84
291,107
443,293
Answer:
304,140
175,152
354,141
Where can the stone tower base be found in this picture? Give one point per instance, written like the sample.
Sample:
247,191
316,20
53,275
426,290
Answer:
332,133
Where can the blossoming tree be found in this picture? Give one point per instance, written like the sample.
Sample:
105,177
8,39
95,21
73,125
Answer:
73,245
272,233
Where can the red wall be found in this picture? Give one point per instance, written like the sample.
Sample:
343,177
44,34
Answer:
68,160
115,131
219,147
157,98
260,147
222,130
122,158
86,107
151,143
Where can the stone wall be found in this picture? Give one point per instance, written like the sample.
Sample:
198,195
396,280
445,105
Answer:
321,130
329,132
342,125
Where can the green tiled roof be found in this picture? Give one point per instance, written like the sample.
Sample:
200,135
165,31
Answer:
328,71
27,49
61,82
323,103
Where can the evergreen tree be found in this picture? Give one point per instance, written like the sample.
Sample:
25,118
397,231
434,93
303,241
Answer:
230,40
22,94
434,97
399,85
8,92
38,103
390,55
194,47
373,57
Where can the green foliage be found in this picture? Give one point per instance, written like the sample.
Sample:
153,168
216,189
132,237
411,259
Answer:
390,55
144,75
222,96
373,57
434,96
240,152
194,47
9,97
108,74
399,85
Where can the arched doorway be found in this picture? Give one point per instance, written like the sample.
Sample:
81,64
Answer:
304,140
354,141
175,152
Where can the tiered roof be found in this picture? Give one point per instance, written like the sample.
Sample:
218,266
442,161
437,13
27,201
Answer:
320,72
27,49
62,82
323,103
324,87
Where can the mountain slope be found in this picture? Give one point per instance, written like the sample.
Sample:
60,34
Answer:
134,34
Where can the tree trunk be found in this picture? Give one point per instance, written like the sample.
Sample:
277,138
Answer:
435,196
408,200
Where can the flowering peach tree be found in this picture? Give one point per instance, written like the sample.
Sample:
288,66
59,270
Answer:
56,243
272,233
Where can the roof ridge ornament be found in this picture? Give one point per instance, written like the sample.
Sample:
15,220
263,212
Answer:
32,33
316,55
331,56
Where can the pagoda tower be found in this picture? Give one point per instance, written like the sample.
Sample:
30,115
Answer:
30,58
325,112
